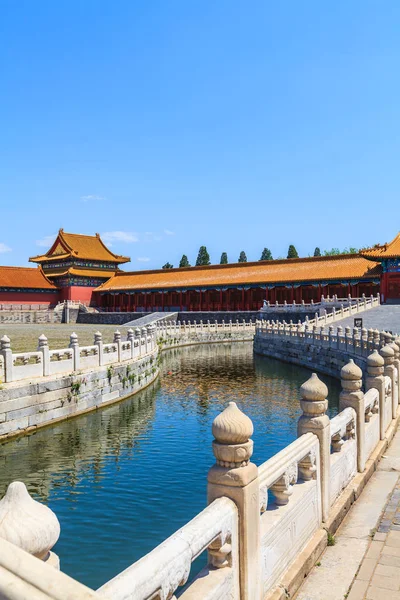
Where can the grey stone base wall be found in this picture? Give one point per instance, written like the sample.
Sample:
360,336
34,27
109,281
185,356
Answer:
26,406
109,318
316,358
13,317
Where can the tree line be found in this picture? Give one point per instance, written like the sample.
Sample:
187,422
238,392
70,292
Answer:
203,257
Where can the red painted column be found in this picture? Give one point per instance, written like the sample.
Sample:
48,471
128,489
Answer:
243,301
114,302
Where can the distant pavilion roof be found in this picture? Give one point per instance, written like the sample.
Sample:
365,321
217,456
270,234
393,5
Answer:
381,252
24,277
85,247
295,270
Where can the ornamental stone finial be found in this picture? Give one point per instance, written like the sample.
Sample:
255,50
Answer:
232,426
375,361
388,355
73,340
232,429
5,342
26,523
394,345
314,390
97,337
351,372
42,341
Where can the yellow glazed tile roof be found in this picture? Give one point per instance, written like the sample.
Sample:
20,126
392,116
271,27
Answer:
327,268
93,273
24,277
378,252
87,247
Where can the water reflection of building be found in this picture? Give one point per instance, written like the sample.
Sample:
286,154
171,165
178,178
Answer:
62,454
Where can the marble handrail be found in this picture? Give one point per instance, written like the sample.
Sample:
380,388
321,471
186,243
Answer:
164,569
282,469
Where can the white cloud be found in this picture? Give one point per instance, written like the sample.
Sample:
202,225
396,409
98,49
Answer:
143,259
46,241
127,237
4,248
92,197
169,232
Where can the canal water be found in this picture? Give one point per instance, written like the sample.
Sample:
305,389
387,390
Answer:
124,478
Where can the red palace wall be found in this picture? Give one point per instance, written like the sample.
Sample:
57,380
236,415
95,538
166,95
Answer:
28,298
77,293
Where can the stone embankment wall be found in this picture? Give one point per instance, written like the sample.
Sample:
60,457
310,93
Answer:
109,318
45,386
325,351
26,406
25,316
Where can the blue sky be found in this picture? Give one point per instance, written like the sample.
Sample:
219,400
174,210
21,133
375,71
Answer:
170,124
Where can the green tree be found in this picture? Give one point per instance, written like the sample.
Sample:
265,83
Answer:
203,258
317,252
242,257
224,259
266,254
292,252
184,261
332,252
168,266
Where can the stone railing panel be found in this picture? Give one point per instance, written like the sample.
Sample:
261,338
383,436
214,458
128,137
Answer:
344,451
110,354
126,351
388,402
61,361
89,357
162,571
372,436
26,365
288,522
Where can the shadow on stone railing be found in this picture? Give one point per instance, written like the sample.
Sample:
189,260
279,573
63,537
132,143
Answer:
264,527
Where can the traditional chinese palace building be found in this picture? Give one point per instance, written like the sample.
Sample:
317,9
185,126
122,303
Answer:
82,268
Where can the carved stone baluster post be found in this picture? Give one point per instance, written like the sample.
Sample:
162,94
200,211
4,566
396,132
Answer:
117,341
144,338
131,339
138,336
314,404
339,332
376,380
235,477
74,345
98,341
6,352
387,354
43,347
28,524
351,395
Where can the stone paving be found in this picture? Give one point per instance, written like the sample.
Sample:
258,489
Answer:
385,317
364,563
379,575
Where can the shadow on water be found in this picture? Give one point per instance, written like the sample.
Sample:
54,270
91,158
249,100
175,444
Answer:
124,478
